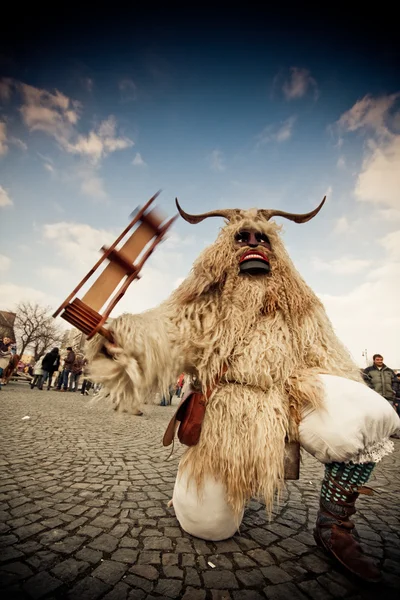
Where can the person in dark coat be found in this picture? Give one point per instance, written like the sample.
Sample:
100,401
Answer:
50,363
68,364
77,368
379,377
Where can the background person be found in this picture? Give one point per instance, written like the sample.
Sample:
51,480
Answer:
50,364
380,378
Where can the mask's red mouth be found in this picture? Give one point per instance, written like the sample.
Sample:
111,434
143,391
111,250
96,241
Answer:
253,255
254,262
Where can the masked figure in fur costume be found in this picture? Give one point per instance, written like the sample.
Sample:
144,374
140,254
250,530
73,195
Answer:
245,309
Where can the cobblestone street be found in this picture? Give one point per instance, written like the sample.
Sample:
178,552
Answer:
84,515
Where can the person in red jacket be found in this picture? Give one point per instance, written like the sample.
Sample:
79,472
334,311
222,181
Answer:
68,364
179,384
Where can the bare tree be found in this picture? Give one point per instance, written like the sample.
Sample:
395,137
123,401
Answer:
35,328
51,337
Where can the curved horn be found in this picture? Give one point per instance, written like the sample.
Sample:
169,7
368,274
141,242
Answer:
268,214
226,213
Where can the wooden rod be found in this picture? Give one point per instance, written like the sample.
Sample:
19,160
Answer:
114,301
104,256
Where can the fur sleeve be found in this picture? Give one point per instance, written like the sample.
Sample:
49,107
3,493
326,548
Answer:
322,348
319,352
148,359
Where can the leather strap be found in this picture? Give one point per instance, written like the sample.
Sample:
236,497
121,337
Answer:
364,489
173,425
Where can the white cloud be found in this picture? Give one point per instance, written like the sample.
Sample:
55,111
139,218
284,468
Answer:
343,266
57,116
91,145
86,174
371,113
77,243
154,287
341,162
53,113
54,274
366,330
388,214
48,163
340,140
128,90
173,240
367,317
19,143
285,131
5,199
99,144
77,246
12,294
391,243
342,225
92,185
216,159
276,133
45,158
298,84
5,262
138,160
379,179
3,139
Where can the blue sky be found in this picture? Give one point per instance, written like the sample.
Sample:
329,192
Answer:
250,114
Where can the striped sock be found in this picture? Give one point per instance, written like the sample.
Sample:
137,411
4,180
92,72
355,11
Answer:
348,475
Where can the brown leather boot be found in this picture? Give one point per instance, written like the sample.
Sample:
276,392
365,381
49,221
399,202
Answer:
334,532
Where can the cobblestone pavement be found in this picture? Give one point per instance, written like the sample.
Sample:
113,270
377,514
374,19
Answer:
84,515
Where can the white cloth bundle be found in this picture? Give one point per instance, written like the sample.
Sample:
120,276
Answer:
354,425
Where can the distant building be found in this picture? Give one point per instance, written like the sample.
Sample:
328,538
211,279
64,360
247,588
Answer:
74,338
7,319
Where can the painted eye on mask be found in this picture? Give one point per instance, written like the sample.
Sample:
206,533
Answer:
261,237
242,236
